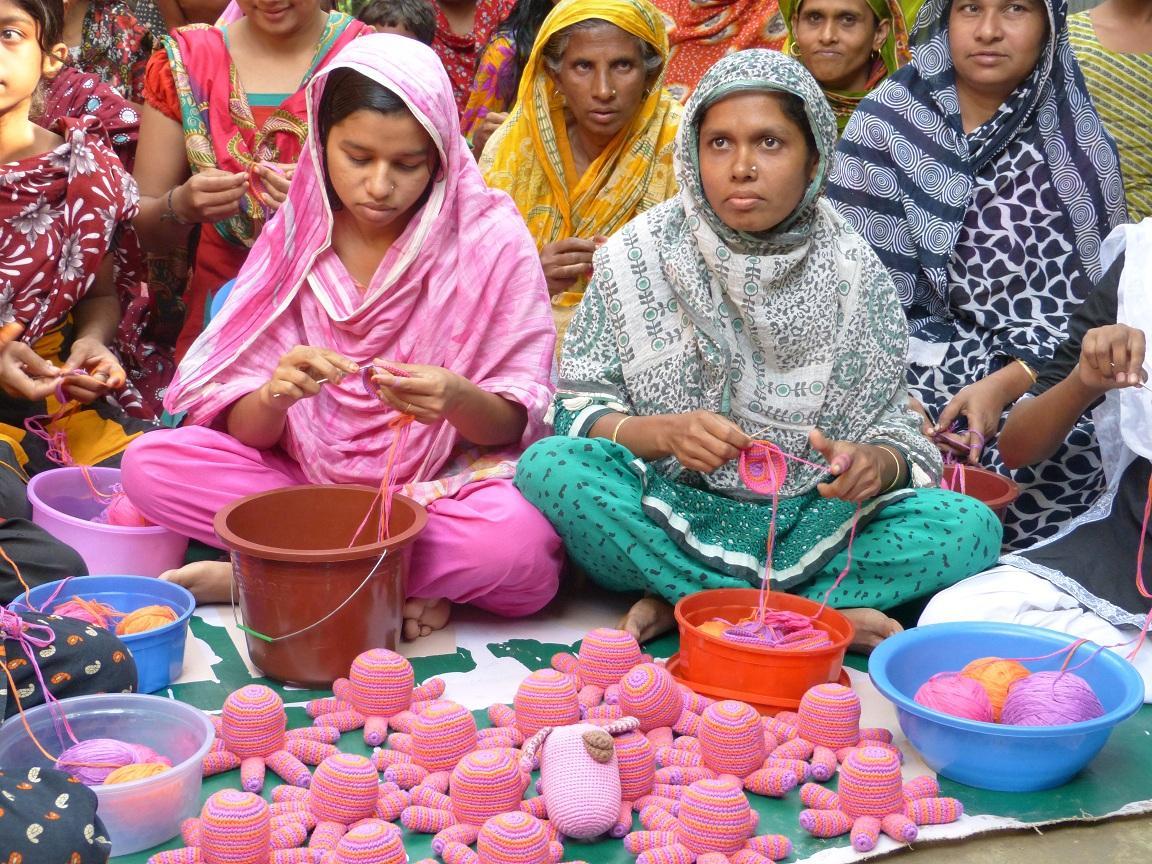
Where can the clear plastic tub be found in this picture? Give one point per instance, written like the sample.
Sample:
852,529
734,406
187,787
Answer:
142,813
63,504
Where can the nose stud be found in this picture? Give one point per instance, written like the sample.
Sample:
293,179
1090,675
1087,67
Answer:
613,94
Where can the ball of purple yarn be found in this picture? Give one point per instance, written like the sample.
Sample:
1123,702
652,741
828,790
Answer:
81,760
956,695
1050,699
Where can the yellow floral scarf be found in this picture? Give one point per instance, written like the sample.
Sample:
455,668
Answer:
530,157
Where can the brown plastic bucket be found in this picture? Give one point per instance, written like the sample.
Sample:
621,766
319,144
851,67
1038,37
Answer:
304,582
995,490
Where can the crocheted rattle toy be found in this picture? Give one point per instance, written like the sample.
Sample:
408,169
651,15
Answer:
825,729
511,838
732,743
873,798
236,827
605,656
579,779
379,691
664,706
442,734
252,734
714,822
545,698
371,842
345,790
484,784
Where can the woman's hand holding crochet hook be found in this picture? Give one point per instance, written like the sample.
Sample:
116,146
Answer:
303,370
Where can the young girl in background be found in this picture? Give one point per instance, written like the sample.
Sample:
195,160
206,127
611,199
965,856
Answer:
66,247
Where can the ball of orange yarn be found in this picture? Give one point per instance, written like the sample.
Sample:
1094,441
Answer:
136,771
995,676
145,618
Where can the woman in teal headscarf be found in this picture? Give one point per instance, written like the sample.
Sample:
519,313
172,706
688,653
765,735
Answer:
849,46
747,308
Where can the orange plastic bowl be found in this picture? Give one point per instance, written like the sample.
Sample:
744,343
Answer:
995,490
763,676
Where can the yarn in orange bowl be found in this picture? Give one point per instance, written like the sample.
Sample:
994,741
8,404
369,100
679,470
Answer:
996,676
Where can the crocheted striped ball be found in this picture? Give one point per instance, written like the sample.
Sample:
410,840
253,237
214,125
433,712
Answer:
829,715
253,721
545,698
650,694
513,838
637,763
485,783
732,738
344,789
236,827
373,841
442,733
715,817
870,783
606,654
382,682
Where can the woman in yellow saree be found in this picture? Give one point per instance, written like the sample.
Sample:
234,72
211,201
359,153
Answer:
589,143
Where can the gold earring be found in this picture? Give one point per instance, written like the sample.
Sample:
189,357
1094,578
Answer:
793,49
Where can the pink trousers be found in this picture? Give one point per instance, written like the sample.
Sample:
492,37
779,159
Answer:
486,546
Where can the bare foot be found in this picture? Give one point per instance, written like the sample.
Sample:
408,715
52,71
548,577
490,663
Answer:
209,581
648,618
872,628
421,617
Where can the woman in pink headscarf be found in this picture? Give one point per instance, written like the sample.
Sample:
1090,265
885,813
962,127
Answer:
390,252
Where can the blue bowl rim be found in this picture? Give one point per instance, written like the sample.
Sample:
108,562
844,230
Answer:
190,710
878,672
20,603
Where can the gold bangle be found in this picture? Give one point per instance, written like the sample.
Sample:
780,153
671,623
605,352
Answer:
616,431
896,460
1031,372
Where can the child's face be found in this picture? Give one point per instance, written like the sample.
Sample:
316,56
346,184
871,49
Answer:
394,29
21,62
379,166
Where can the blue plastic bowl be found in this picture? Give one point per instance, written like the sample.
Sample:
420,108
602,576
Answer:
159,653
991,755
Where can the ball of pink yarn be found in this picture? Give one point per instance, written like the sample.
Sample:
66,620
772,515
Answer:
93,760
1050,699
956,695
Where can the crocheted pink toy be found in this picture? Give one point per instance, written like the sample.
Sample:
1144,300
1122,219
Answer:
484,784
605,657
236,827
511,838
442,734
371,842
379,691
732,742
544,698
714,824
345,790
579,779
825,729
664,707
872,799
251,734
